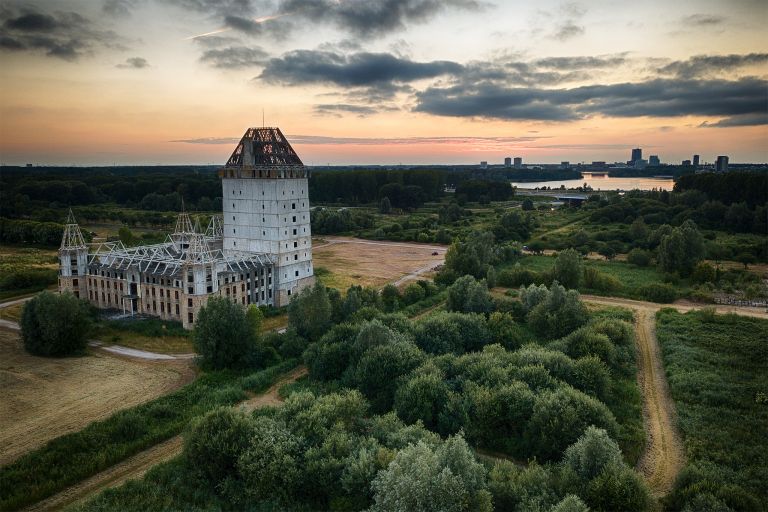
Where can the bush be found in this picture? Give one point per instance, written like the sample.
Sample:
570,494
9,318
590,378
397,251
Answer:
223,336
55,325
568,268
596,280
413,293
639,257
658,292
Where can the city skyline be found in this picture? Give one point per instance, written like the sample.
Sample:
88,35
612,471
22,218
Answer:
397,81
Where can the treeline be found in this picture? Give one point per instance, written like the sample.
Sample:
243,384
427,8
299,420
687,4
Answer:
14,231
405,189
729,187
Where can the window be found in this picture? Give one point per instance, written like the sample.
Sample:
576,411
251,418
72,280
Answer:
295,256
293,206
295,244
294,231
74,282
297,273
190,317
294,218
189,303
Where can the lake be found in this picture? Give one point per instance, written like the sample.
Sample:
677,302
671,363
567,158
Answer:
604,183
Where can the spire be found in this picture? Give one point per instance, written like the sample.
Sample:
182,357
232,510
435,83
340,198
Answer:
215,227
73,237
183,223
264,148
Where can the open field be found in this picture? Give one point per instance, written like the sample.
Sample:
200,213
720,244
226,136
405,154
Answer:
46,398
350,261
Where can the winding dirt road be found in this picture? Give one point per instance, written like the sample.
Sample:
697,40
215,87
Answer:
664,456
135,467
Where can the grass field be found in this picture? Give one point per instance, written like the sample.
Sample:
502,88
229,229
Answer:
717,367
350,261
43,398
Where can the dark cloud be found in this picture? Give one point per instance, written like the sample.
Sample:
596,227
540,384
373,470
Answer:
573,63
322,140
358,69
234,57
704,64
372,18
655,98
756,119
220,8
568,31
134,63
246,25
703,20
64,35
119,8
337,109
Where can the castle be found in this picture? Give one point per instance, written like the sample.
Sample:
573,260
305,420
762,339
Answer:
258,252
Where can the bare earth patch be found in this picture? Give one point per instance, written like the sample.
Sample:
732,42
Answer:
44,398
351,261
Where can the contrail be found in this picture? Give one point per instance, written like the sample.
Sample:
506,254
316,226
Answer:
225,29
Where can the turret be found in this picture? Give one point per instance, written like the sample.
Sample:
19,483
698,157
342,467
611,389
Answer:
73,259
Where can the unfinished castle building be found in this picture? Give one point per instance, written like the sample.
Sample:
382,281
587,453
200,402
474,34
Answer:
258,252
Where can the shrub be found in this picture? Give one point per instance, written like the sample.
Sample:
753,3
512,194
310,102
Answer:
596,280
568,268
592,454
309,312
658,292
413,293
55,325
639,257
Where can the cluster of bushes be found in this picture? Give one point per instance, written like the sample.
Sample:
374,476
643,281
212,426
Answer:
449,369
483,191
28,279
326,221
330,453
475,255
718,376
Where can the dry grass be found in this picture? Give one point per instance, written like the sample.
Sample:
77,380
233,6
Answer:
12,313
274,323
161,345
350,261
45,398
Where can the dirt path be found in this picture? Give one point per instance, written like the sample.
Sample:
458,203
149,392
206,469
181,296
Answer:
664,456
135,467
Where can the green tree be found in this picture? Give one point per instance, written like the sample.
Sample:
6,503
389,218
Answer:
527,204
223,336
255,318
592,453
385,206
568,268
390,298
420,479
422,397
468,295
746,259
380,368
638,231
214,444
560,313
125,235
55,325
639,257
271,464
682,249
310,312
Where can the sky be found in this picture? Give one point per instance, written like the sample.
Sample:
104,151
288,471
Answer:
144,82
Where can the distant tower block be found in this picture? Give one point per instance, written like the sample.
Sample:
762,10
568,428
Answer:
73,259
266,207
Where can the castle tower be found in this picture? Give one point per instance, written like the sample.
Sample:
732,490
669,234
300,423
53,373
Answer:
266,208
73,260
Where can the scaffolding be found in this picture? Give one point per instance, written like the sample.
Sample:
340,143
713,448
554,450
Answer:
185,247
73,237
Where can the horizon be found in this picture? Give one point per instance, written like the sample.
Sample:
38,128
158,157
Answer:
411,82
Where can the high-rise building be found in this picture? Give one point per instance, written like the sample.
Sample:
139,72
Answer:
653,161
507,162
722,164
565,165
696,160
518,162
686,162
637,154
484,164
